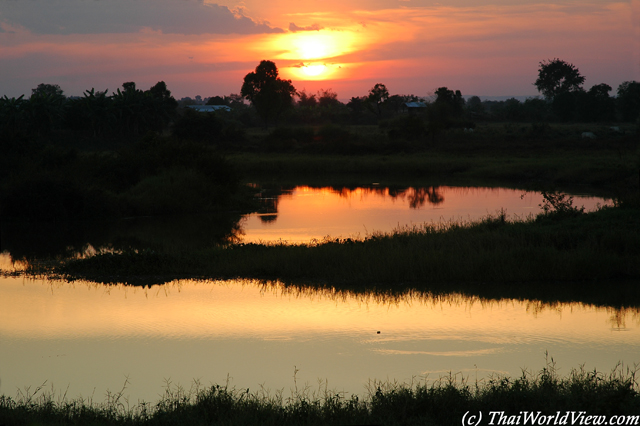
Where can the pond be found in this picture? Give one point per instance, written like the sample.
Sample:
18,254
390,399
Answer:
295,214
302,213
86,339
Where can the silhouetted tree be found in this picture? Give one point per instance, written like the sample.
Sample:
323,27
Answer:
453,102
356,104
395,102
629,100
513,110
13,116
596,104
474,106
92,114
267,92
377,96
327,98
217,100
160,105
307,101
47,90
160,91
129,86
45,108
556,76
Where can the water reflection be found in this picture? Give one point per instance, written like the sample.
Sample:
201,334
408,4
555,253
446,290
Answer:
90,336
417,197
33,241
295,214
301,214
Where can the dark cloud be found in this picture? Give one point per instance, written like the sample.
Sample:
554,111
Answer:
294,28
187,17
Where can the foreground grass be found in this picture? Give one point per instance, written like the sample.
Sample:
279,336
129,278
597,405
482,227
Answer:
445,402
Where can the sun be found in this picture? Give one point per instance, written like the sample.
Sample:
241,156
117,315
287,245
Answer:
312,49
313,70
316,54
314,45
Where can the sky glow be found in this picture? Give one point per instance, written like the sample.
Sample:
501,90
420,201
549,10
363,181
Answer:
202,47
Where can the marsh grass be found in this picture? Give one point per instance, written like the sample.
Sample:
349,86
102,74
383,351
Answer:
443,401
562,256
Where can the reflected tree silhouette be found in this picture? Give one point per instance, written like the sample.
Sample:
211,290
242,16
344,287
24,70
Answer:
268,218
33,242
419,196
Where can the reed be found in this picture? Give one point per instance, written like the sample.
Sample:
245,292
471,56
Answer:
444,401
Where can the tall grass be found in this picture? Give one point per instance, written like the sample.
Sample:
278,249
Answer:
442,402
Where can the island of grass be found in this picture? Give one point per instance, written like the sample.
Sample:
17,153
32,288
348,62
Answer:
163,175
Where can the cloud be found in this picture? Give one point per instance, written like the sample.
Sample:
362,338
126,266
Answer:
294,28
188,17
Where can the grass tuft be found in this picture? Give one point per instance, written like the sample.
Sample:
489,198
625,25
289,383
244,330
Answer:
442,402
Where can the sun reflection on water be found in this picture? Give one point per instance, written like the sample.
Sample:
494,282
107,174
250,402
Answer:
91,335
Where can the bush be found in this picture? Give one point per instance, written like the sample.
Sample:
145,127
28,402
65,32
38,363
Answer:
208,127
557,205
409,127
285,138
50,198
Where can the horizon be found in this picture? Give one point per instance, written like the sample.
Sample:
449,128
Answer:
202,47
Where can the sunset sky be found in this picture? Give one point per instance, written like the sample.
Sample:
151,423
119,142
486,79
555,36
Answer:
206,47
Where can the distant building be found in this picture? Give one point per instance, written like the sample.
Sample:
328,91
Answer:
209,108
413,107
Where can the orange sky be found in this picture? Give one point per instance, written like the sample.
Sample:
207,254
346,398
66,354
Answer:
198,47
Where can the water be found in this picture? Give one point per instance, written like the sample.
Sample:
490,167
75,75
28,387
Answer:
303,214
86,339
297,214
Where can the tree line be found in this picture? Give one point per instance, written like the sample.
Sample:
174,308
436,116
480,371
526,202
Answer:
560,83
129,112
126,112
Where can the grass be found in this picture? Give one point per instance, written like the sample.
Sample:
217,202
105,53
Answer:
495,152
443,402
591,168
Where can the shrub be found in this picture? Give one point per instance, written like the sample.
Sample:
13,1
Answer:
557,205
409,127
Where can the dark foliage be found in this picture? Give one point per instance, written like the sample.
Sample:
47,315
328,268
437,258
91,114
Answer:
215,128
267,92
556,77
